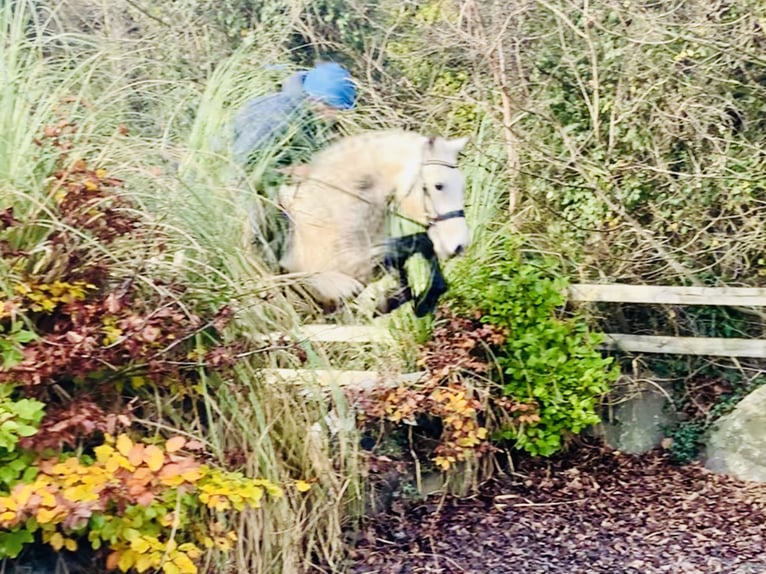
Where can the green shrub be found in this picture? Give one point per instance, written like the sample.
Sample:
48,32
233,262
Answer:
19,418
547,359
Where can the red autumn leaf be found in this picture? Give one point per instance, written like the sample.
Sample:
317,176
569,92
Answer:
145,498
136,454
174,444
112,560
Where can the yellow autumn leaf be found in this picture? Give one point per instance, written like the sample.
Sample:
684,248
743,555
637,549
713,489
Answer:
56,541
60,468
170,568
175,443
145,561
22,494
70,544
173,480
97,479
140,545
467,441
46,497
127,560
71,480
154,458
80,493
185,565
8,503
302,485
190,549
45,515
219,503
7,516
124,444
192,475
112,463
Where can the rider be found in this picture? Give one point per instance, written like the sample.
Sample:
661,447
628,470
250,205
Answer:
320,91
290,125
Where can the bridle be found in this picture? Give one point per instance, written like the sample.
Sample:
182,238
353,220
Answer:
438,217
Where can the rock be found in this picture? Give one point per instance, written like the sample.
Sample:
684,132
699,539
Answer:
737,444
639,411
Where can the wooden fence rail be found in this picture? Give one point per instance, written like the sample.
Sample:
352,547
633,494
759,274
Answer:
662,295
582,293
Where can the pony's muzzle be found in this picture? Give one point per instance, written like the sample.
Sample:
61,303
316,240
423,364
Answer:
450,237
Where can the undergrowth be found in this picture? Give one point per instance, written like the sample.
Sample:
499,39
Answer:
131,311
702,398
547,358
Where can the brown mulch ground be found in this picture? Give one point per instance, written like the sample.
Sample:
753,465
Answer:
591,512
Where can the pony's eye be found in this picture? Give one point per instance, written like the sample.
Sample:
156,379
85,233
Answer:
439,186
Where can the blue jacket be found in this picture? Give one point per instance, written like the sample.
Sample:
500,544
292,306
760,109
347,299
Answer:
263,119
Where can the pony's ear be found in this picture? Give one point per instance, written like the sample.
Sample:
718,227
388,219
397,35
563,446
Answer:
456,145
299,171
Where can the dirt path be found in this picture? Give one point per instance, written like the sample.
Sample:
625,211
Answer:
591,512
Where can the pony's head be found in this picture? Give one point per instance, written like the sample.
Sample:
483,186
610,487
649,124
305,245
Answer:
437,198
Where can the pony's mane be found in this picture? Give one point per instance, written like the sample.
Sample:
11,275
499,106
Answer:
375,164
382,143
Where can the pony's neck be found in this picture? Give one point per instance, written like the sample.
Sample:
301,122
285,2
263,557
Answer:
405,160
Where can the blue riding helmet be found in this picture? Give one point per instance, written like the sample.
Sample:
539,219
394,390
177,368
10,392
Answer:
330,83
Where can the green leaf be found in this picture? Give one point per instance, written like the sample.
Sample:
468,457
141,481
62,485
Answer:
29,409
12,542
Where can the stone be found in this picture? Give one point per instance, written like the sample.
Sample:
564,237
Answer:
736,446
639,411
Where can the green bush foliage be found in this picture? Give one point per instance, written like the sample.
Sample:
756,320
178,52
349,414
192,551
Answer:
640,137
19,418
547,358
